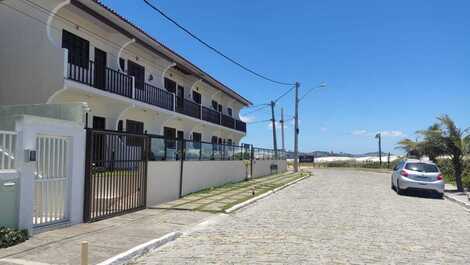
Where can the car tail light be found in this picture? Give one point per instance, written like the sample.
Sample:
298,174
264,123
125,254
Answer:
440,177
404,173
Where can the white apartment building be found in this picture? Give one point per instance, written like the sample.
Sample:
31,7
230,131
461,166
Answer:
54,51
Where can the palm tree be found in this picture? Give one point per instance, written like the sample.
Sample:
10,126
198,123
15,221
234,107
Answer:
410,147
432,145
455,144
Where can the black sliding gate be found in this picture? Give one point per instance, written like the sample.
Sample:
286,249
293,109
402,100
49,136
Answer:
115,174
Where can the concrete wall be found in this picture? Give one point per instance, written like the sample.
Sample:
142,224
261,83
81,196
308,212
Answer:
262,168
163,182
163,179
27,129
31,68
199,175
9,189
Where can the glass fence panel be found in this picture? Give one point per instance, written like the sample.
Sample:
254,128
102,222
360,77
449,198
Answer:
207,151
163,149
193,150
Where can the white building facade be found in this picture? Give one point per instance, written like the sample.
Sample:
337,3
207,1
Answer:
58,52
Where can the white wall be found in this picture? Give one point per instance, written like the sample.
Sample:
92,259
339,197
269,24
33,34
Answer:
163,182
163,177
262,168
31,68
199,175
27,129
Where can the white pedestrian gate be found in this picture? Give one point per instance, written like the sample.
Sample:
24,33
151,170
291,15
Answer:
51,185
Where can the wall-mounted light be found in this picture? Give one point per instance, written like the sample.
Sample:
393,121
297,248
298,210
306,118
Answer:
150,77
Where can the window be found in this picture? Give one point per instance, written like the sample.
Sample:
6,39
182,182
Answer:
220,108
99,123
422,167
197,97
215,105
197,137
170,85
120,126
229,141
138,72
170,136
135,127
214,140
122,64
79,49
229,111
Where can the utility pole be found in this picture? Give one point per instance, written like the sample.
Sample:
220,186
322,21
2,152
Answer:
282,130
273,119
379,136
296,128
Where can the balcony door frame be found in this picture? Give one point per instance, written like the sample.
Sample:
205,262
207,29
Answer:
100,69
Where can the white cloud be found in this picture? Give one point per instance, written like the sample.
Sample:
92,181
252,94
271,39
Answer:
393,134
360,132
384,133
278,125
247,119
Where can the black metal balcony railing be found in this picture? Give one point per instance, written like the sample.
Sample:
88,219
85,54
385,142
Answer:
188,107
210,115
84,75
228,121
120,83
155,96
240,126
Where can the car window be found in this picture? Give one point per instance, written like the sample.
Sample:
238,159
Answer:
397,166
422,167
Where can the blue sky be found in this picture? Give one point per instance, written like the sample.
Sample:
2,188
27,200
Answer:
391,66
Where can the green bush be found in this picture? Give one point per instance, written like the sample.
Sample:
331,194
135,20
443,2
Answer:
354,164
10,237
445,165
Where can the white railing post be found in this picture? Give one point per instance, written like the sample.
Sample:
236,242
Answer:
66,63
133,86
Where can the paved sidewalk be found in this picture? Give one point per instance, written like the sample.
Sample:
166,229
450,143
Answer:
106,238
462,198
222,198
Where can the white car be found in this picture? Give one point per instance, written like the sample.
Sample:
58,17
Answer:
417,175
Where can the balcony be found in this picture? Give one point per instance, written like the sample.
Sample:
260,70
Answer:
228,121
210,115
119,83
188,107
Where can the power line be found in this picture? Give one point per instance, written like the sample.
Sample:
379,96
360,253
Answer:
213,48
264,106
311,89
284,94
255,122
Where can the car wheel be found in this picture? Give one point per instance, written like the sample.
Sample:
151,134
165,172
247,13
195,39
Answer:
440,195
399,190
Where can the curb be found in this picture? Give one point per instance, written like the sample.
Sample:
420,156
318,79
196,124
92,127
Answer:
459,202
259,197
140,250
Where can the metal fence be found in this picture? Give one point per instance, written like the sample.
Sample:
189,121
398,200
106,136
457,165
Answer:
7,150
162,149
268,154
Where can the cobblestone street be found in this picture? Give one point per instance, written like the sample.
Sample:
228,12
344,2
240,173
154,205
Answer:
333,217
